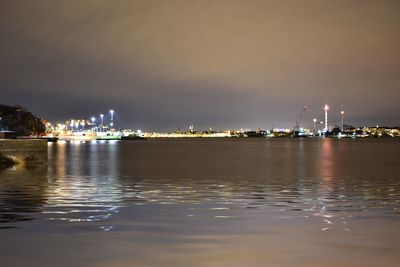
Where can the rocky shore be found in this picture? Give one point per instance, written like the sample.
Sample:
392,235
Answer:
27,153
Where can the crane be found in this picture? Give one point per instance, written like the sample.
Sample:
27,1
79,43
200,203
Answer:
300,120
296,128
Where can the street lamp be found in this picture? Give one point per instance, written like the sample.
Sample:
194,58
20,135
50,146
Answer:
112,117
342,114
326,108
93,119
315,126
102,122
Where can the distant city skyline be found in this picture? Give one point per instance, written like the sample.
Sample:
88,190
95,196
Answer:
164,65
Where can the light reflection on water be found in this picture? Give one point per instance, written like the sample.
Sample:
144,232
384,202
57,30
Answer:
172,184
89,181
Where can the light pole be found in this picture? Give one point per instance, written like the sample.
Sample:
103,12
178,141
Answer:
342,114
93,125
315,126
112,118
102,120
326,108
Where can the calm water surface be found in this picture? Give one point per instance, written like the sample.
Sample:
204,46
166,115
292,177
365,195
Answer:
205,202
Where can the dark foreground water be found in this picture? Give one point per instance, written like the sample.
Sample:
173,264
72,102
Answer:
205,202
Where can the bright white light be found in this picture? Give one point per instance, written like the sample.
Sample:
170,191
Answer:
101,119
112,117
326,108
93,119
342,112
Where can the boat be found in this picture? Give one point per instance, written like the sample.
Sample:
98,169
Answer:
51,139
78,136
109,135
132,137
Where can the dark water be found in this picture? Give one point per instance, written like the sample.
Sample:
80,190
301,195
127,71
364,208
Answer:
205,202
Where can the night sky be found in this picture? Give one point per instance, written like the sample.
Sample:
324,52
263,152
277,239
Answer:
223,64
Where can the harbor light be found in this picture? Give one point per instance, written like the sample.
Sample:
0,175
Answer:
112,117
93,119
326,108
102,119
315,125
342,115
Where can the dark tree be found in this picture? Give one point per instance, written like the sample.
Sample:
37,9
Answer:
21,121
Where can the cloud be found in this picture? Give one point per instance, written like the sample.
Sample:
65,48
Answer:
175,61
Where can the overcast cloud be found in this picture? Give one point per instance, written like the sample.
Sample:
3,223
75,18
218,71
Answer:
221,64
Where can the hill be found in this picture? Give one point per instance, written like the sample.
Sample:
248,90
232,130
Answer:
21,121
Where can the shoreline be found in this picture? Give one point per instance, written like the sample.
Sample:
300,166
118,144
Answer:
29,153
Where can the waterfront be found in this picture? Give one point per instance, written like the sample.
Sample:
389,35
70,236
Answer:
205,202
